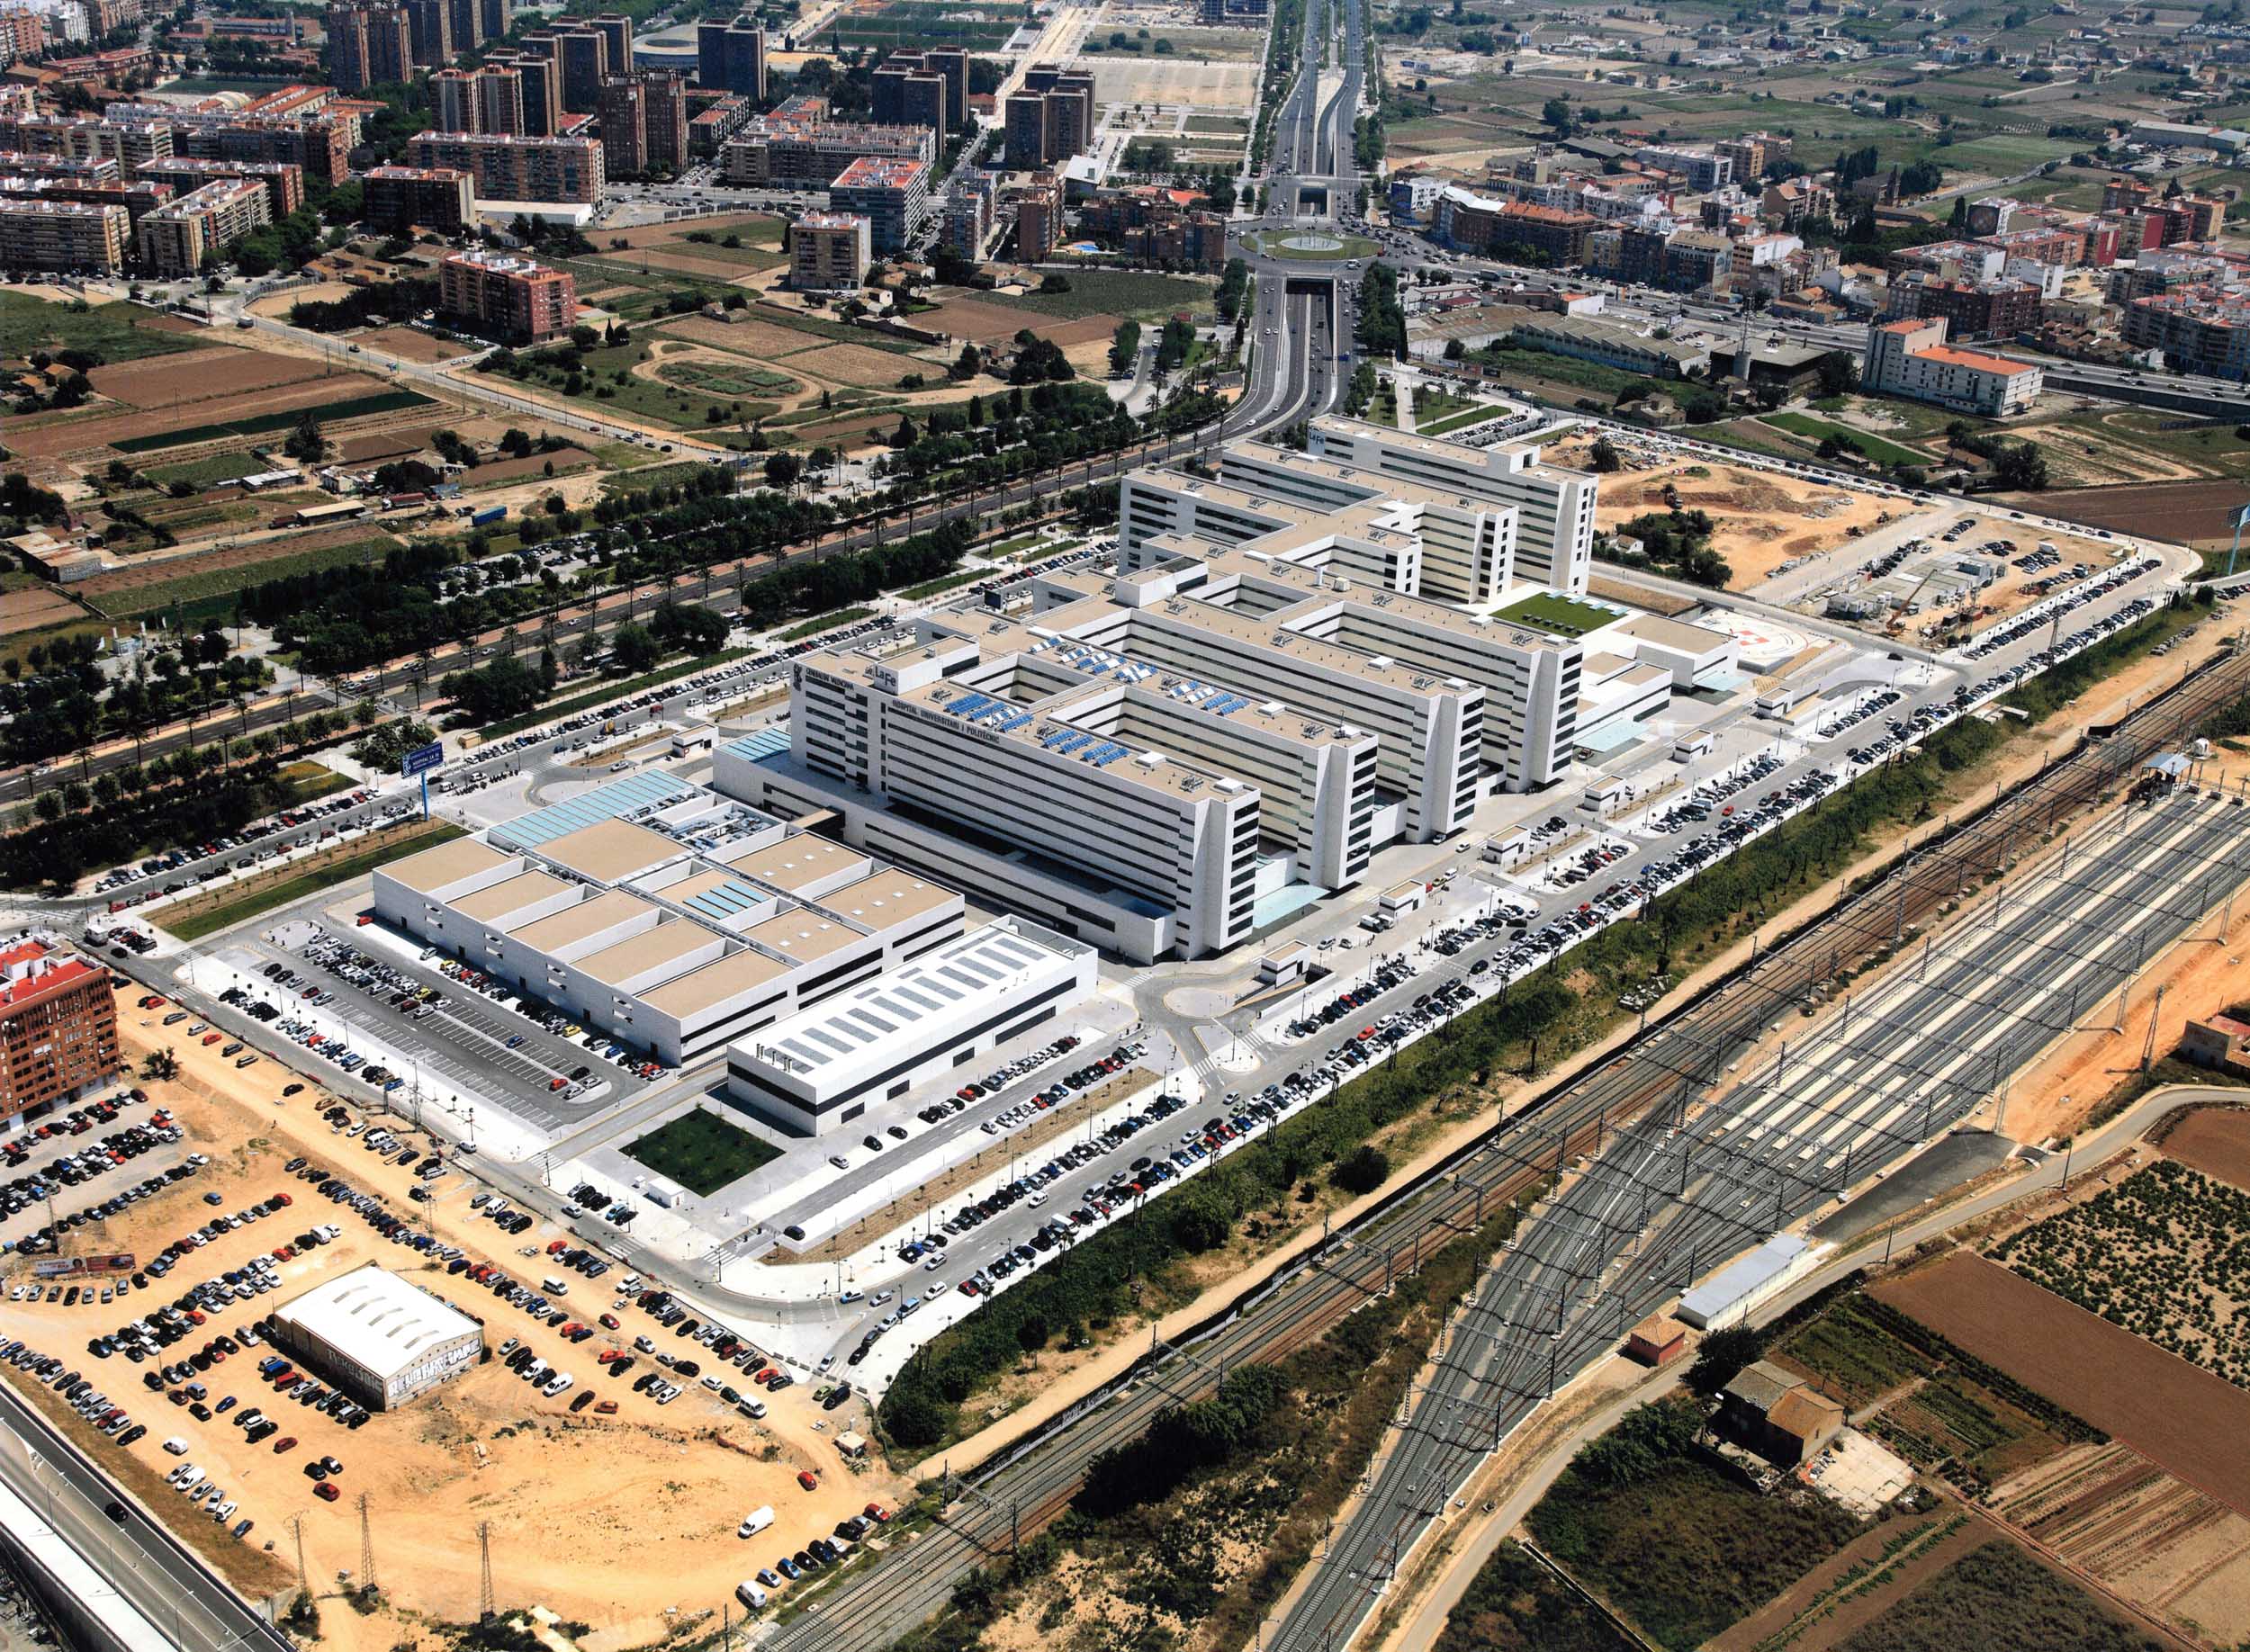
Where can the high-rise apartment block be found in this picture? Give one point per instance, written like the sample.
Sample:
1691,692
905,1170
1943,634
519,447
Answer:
402,198
429,26
285,181
176,238
537,95
829,252
643,122
452,101
506,168
508,298
1050,119
1038,216
584,55
369,45
923,88
731,56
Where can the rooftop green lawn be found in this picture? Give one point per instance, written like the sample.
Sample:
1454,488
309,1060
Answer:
701,1152
1561,616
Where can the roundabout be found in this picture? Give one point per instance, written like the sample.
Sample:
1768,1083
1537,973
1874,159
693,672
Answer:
1309,245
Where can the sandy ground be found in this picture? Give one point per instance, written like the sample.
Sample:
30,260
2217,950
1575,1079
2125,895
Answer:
1762,520
615,1521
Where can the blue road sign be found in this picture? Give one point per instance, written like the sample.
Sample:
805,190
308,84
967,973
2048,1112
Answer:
421,759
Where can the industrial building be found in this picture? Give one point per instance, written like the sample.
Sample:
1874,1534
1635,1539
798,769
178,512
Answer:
378,1338
824,1066
672,918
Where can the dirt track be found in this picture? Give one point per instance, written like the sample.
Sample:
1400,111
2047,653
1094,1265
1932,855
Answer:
2191,1422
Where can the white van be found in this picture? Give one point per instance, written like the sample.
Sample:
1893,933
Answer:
750,1594
554,1287
176,1447
755,1521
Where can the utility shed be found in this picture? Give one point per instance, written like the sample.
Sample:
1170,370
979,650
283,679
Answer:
1740,1286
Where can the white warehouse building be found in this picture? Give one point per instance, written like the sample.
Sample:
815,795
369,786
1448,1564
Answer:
822,1069
381,1340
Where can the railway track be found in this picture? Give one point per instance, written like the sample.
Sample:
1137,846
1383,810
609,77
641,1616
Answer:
1648,1087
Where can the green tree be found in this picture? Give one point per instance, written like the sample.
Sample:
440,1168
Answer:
305,442
634,647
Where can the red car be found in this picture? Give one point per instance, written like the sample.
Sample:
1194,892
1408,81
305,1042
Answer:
326,1492
609,1322
287,1442
806,1478
876,1511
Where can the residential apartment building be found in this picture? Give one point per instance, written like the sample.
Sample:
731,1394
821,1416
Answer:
429,30
138,197
968,215
797,146
2204,329
731,56
829,252
1038,216
643,122
893,196
1972,308
583,54
176,238
465,20
22,35
40,233
1751,154
368,45
283,181
58,1030
453,102
512,298
1050,117
923,88
400,198
509,168
1704,169
1911,357
534,101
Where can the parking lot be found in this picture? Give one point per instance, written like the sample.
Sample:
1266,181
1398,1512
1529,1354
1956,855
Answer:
586,1483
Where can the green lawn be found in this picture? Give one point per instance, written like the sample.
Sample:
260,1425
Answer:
1873,447
208,473
669,475
1460,420
1563,616
307,780
701,1152
114,332
282,890
1128,294
934,588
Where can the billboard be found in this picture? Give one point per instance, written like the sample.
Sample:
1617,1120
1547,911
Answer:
421,759
74,1267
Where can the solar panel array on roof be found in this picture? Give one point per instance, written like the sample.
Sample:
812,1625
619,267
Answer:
765,744
630,798
723,900
911,994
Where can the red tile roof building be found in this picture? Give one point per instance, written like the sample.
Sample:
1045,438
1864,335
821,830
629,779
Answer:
58,1028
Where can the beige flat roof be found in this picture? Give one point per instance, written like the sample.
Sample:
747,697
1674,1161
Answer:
650,949
512,896
449,863
610,851
798,860
713,984
890,897
804,934
606,910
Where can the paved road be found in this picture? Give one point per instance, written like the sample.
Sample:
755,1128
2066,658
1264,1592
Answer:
871,1606
151,1569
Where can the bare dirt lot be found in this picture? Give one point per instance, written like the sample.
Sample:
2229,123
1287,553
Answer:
2214,1140
2187,511
198,375
982,323
1173,83
80,435
28,610
2193,1423
414,346
1762,520
853,365
758,340
609,1520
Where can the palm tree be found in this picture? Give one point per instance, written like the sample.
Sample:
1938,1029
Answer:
160,1066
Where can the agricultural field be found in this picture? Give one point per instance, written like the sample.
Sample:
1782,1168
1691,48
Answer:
1128,294
2189,1421
2165,1254
887,25
1939,1408
2200,514
2213,1140
1999,1599
206,586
